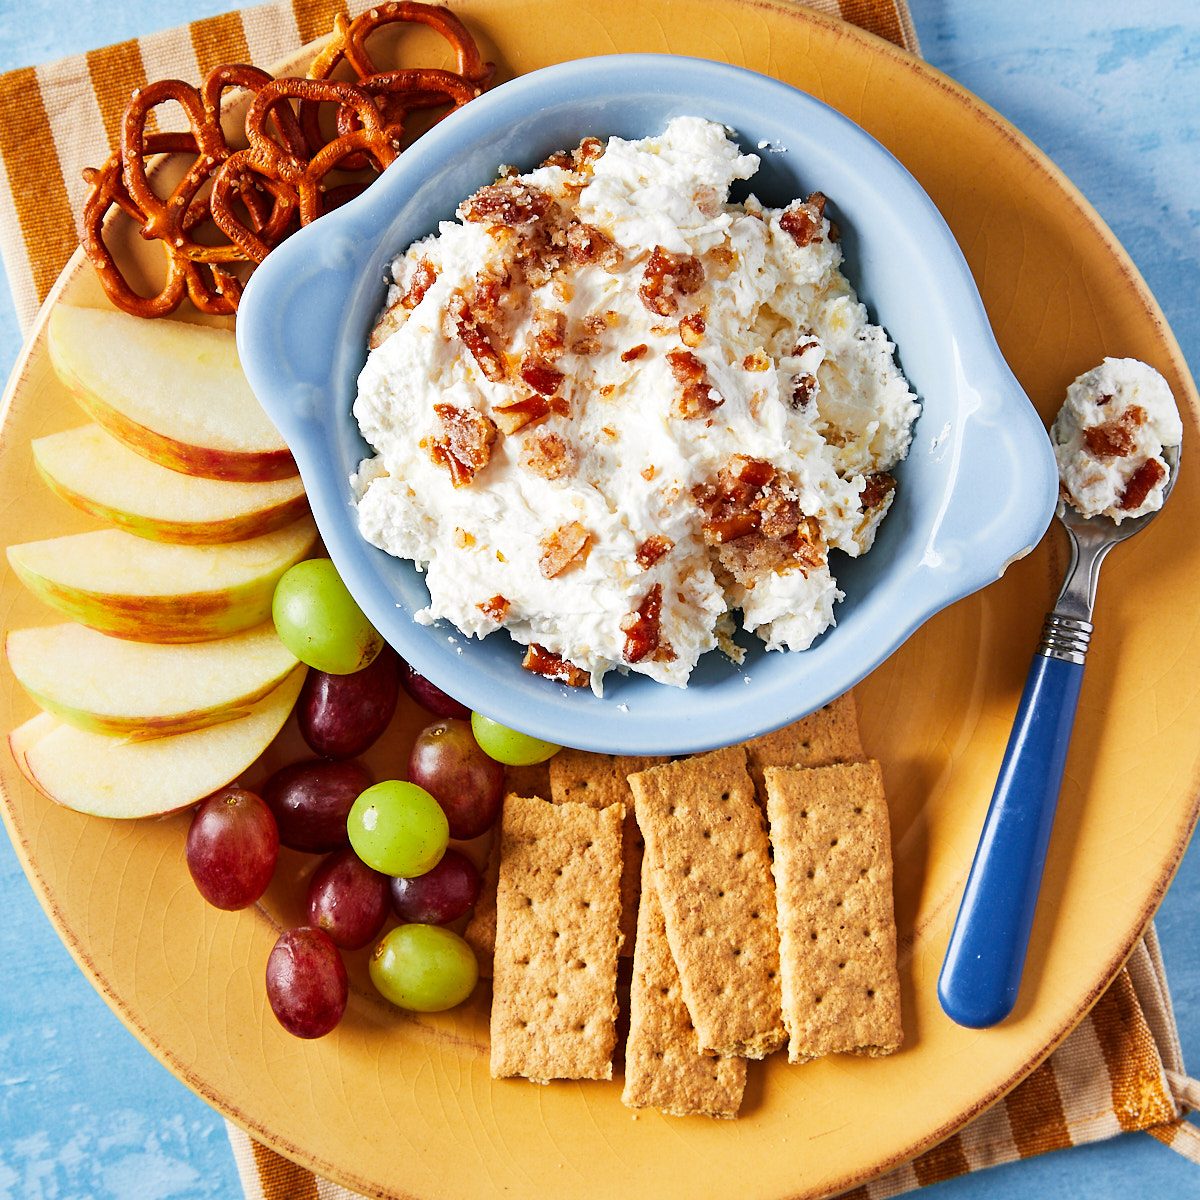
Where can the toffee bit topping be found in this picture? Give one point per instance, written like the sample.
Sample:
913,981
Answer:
697,397
757,361
472,314
642,627
635,352
507,202
465,444
1141,483
540,375
549,455
666,278
750,558
586,153
560,158
733,504
423,278
1114,439
652,549
562,547
495,609
588,341
587,244
545,662
691,329
876,491
530,409
804,388
549,338
802,221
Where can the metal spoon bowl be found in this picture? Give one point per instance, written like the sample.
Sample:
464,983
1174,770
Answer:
984,961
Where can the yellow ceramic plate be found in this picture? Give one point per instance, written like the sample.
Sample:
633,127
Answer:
393,1104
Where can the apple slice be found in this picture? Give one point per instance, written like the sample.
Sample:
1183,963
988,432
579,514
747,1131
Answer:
140,689
102,476
158,592
175,393
112,777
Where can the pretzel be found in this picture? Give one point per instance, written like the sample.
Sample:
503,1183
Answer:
256,196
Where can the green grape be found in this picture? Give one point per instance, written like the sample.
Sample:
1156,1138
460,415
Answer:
507,745
318,621
398,828
424,968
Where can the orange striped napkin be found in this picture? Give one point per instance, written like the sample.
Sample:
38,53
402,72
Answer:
1122,1069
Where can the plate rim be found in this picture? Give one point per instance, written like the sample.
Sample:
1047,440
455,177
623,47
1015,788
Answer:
1134,284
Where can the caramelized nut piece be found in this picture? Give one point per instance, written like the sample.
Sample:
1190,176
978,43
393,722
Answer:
642,627
541,661
652,549
465,445
1114,439
803,220
540,375
876,490
587,244
691,329
1141,483
804,388
588,341
562,547
635,352
507,202
518,414
495,609
697,397
666,278
549,455
423,278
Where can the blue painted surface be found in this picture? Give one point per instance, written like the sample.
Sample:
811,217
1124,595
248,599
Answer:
1108,89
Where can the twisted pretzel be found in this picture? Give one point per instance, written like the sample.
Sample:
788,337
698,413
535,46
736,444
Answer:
256,196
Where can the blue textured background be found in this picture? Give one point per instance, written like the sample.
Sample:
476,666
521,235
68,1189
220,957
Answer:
1110,90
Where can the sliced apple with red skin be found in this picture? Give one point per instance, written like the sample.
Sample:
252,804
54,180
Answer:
143,689
173,392
115,777
129,587
102,476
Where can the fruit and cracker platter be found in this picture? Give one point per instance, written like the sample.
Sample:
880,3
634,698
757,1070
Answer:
750,888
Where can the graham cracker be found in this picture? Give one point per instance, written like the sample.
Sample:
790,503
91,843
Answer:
830,735
837,927
598,780
710,863
558,911
664,1068
480,932
533,780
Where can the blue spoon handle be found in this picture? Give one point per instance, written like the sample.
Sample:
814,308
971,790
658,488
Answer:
985,958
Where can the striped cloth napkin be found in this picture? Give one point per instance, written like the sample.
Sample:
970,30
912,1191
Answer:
1121,1070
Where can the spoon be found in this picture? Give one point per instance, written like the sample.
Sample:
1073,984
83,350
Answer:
982,970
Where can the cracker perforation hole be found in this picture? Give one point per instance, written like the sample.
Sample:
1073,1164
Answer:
870,993
708,835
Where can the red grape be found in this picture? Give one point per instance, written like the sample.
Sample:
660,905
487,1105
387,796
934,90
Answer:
348,900
447,762
431,697
307,984
439,896
232,847
311,800
341,715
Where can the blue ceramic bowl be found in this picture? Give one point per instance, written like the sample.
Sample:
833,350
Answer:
976,492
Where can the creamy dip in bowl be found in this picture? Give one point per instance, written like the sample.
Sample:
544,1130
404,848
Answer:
976,489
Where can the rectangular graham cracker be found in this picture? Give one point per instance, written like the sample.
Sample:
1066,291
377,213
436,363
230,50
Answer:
709,858
830,735
833,876
480,932
598,780
558,913
664,1068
